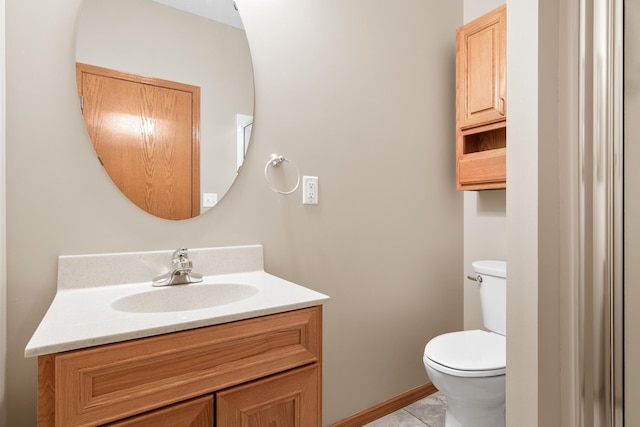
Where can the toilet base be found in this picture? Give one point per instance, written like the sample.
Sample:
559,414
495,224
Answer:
467,414
471,401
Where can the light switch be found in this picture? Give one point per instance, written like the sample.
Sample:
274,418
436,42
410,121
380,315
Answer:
209,200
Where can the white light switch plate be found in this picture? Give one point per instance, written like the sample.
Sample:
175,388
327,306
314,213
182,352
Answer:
209,200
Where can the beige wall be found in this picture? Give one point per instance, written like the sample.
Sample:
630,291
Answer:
522,222
632,213
534,197
485,237
476,8
359,93
3,235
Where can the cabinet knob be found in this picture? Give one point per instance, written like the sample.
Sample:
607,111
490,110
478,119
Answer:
501,106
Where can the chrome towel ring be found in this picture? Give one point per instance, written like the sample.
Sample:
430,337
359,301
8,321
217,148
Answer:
275,161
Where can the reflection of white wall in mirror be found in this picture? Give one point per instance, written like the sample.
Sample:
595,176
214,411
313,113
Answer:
244,125
218,10
150,39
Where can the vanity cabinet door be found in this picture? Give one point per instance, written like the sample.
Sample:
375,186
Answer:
291,399
193,413
481,70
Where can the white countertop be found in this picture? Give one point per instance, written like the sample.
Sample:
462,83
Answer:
83,316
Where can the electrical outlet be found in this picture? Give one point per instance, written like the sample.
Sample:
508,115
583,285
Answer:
309,190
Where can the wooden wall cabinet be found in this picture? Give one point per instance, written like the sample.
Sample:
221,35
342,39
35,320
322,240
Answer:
481,116
262,371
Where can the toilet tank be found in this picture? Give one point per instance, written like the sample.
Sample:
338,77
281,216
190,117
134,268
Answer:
492,284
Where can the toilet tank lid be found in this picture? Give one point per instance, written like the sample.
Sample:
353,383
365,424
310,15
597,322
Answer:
492,268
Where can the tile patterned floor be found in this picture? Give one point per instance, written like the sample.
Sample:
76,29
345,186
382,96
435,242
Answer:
427,412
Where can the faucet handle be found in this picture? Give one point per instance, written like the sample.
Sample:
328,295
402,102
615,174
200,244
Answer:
181,272
180,255
180,259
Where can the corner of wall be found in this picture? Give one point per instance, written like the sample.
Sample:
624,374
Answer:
3,239
485,214
485,237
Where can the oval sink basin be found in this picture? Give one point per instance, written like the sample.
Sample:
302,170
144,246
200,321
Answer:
184,298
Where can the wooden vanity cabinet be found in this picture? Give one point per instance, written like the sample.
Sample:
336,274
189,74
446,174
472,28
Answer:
193,413
481,117
266,369
275,401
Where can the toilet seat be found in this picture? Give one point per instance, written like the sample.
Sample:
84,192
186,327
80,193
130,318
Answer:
473,353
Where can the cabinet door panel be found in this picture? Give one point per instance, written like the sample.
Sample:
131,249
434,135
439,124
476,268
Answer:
481,116
291,399
480,64
194,413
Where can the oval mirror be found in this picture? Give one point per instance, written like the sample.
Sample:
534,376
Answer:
166,89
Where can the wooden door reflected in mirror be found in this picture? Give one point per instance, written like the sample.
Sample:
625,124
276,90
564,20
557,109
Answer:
145,132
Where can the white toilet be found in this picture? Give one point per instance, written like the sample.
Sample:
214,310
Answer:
468,367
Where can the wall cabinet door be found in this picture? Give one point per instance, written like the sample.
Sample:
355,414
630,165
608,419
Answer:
193,413
291,399
481,119
480,69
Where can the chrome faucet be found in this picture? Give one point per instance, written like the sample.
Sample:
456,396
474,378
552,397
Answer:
180,273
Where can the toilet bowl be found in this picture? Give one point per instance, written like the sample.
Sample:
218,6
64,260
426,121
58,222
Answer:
469,367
